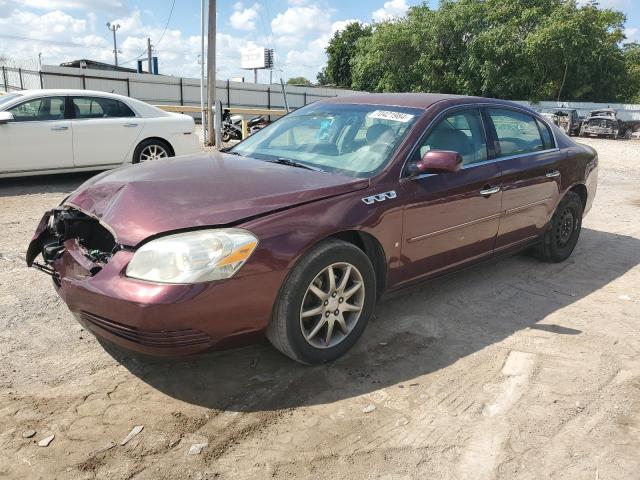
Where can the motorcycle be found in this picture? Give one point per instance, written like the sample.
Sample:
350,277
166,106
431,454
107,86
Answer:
232,126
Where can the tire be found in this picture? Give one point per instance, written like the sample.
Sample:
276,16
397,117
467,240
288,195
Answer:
560,239
144,150
293,334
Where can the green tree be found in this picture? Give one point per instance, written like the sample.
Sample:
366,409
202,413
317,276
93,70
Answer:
322,77
521,49
340,51
631,52
299,81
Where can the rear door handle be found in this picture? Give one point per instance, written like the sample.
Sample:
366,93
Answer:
553,174
488,190
59,127
130,125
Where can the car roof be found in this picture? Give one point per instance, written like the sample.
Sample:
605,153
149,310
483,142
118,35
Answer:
65,91
414,100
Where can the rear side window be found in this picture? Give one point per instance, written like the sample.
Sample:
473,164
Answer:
97,107
40,109
460,132
518,133
547,139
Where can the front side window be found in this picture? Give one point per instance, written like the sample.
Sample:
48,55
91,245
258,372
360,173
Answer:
460,132
39,109
517,133
98,107
354,140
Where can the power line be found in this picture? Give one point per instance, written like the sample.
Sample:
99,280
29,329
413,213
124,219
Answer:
166,24
144,52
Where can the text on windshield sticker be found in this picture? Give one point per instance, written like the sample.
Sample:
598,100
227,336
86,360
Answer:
389,115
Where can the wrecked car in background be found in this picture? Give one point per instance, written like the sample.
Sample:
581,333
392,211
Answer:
604,123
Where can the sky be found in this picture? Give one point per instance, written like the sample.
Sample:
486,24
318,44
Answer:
298,30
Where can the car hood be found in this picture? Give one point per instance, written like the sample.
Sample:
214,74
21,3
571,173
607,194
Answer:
218,189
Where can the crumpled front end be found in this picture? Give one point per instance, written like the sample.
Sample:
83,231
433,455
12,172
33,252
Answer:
88,267
67,229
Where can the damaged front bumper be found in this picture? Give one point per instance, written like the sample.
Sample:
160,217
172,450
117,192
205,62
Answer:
65,228
88,268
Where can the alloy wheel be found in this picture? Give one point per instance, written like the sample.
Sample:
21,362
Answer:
153,152
332,305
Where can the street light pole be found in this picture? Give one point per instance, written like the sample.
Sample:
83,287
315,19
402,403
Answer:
113,29
211,72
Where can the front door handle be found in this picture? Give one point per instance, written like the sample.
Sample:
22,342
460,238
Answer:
59,128
130,125
553,174
489,190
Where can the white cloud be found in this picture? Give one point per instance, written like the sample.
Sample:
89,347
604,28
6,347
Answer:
103,5
301,20
390,10
245,18
631,34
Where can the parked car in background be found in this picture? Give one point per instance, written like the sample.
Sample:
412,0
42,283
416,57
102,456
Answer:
552,118
56,131
603,123
568,120
297,231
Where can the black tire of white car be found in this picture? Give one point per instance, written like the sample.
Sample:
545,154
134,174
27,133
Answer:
560,239
151,142
285,331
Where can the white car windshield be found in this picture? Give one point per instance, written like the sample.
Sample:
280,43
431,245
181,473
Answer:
354,140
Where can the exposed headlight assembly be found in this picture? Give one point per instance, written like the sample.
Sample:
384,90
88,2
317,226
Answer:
193,257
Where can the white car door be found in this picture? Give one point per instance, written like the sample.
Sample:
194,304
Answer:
105,131
39,137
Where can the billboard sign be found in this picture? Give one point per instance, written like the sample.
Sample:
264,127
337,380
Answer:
252,58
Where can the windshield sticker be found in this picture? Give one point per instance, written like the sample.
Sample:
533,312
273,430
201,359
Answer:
389,115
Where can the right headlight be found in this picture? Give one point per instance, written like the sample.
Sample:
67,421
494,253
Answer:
193,257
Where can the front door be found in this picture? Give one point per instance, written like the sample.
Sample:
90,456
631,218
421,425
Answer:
39,137
451,218
531,170
104,131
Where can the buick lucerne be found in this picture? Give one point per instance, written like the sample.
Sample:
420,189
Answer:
297,231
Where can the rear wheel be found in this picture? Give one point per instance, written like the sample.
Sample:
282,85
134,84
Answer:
558,242
152,149
325,303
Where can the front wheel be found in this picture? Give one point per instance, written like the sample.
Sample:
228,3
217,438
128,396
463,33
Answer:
560,239
325,303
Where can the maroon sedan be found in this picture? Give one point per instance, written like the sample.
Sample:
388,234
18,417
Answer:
298,230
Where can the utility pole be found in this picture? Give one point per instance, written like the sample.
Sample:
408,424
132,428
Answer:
211,72
149,55
113,29
203,111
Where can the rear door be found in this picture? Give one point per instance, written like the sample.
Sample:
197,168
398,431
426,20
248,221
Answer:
451,218
531,170
105,131
39,137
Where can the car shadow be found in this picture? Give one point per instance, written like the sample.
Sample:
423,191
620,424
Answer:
411,335
61,183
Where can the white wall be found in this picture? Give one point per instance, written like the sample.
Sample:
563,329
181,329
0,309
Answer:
161,89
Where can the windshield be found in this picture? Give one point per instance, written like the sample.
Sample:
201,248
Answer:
354,140
4,99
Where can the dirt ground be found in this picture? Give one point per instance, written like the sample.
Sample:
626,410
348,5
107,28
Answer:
517,370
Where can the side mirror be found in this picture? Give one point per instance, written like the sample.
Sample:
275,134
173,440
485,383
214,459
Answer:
435,161
6,117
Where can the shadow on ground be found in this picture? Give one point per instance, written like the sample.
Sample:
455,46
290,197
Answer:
63,183
410,336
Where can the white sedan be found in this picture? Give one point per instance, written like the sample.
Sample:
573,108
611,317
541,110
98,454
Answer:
57,131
